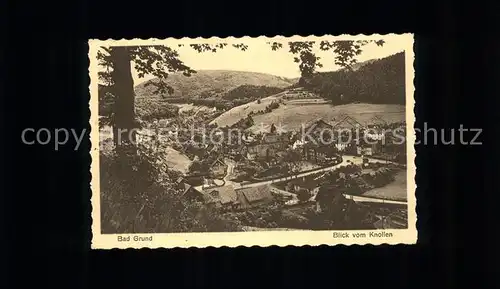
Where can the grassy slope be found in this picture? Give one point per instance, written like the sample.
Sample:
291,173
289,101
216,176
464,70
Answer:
292,116
233,115
394,191
206,80
187,107
176,160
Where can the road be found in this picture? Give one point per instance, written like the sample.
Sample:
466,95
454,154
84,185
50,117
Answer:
373,200
346,159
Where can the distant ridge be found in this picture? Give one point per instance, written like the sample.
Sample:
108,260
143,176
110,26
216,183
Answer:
214,81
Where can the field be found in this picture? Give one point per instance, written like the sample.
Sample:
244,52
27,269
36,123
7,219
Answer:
293,114
184,107
233,115
395,191
176,160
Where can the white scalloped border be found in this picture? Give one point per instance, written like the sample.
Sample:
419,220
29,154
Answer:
261,238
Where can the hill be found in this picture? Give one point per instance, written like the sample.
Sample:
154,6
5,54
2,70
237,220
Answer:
213,81
293,114
293,117
233,115
372,88
357,66
374,81
222,89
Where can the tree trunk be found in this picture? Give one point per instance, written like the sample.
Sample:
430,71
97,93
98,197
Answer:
123,89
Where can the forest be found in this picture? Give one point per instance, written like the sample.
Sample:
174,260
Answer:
381,81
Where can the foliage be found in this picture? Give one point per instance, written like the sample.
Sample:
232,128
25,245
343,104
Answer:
289,219
151,109
274,105
344,51
303,195
137,189
244,123
155,60
106,100
139,195
250,92
132,199
246,169
161,61
381,81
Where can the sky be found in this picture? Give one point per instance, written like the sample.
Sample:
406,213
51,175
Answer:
260,58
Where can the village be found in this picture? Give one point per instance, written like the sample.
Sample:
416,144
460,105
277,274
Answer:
248,176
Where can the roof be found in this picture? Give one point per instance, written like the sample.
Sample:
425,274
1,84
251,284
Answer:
274,138
218,161
317,121
188,187
376,120
345,119
257,193
225,194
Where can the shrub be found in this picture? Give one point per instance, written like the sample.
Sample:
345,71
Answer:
293,220
138,196
133,201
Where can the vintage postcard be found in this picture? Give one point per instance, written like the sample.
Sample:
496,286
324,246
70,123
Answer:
252,141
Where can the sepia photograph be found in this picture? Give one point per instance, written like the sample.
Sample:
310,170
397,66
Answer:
263,141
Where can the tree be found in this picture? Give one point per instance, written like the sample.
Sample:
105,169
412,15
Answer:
272,129
303,195
292,159
160,60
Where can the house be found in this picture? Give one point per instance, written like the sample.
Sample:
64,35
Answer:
180,181
190,193
165,123
218,168
298,144
317,126
254,197
261,151
237,151
341,147
368,149
268,146
364,150
221,198
246,138
347,122
376,121
214,148
376,136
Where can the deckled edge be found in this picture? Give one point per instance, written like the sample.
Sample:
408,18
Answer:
92,162
414,149
216,38
276,37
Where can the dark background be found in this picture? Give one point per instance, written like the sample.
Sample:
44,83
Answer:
46,200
